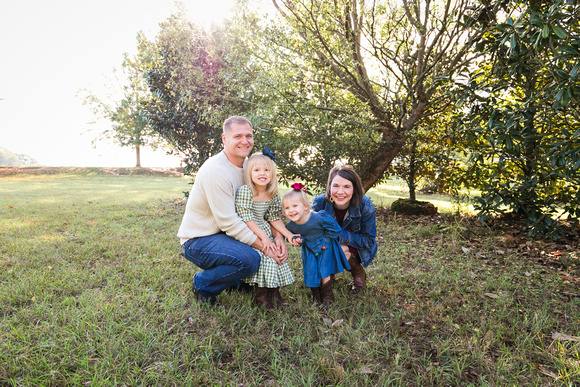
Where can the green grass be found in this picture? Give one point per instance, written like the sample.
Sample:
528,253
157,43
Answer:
93,291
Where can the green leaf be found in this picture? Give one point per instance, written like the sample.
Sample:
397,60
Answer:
568,49
546,31
513,42
559,31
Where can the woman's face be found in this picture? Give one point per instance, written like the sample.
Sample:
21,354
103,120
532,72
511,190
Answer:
341,191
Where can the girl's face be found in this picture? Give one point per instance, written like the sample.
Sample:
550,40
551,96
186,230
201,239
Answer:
261,175
341,191
296,210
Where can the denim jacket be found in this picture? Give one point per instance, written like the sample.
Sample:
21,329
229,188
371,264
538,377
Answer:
359,227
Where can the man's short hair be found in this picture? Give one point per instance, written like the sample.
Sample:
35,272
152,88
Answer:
235,120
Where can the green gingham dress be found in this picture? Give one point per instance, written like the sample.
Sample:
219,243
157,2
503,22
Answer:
269,274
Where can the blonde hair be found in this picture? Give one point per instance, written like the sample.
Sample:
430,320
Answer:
272,187
297,194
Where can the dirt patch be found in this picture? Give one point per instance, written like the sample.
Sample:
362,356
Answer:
14,171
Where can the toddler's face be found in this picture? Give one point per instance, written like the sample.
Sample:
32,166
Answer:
296,210
261,175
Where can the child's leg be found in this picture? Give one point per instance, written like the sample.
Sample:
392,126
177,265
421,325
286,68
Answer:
277,297
326,292
316,296
261,297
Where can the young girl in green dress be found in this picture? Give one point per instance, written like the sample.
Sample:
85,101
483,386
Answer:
258,204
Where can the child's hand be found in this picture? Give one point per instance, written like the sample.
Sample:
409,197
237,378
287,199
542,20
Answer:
296,240
282,257
279,260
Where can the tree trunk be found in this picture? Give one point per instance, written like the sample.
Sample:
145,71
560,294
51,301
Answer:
411,181
375,168
138,156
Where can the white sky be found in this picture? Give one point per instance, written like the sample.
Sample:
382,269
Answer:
51,49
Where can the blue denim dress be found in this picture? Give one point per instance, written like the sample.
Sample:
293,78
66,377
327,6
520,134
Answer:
320,230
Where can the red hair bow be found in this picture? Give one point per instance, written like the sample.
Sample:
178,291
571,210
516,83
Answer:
298,187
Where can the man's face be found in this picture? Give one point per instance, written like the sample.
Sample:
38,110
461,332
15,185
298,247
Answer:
238,142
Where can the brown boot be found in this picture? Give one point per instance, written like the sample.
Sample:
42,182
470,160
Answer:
359,276
327,295
261,298
277,297
316,296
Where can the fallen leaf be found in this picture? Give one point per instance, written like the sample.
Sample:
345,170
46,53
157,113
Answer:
337,323
365,371
564,337
491,295
465,250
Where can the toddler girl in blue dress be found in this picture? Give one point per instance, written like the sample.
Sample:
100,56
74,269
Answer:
322,255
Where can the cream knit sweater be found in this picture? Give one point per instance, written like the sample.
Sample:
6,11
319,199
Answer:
211,207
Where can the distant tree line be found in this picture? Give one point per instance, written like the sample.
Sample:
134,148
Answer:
9,159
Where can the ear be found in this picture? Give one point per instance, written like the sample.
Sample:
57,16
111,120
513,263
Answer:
223,138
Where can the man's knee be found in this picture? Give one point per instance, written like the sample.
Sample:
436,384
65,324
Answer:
251,261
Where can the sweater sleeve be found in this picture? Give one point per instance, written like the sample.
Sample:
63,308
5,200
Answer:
210,207
220,195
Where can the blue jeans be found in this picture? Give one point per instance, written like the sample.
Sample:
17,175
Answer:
224,262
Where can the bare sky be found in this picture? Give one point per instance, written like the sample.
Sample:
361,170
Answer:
51,49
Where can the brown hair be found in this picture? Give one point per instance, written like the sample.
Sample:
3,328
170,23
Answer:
235,120
272,187
348,173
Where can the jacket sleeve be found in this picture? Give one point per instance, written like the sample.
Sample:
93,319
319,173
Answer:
366,237
331,228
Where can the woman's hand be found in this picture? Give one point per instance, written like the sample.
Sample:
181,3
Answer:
346,250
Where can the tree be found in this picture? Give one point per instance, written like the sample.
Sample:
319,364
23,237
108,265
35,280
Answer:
197,82
523,122
428,159
352,80
130,126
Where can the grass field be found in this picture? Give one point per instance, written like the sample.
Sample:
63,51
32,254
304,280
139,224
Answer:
93,291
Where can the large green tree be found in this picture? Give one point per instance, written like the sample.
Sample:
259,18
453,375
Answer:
522,126
352,79
198,79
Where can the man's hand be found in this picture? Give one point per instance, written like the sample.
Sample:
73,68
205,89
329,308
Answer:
272,253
